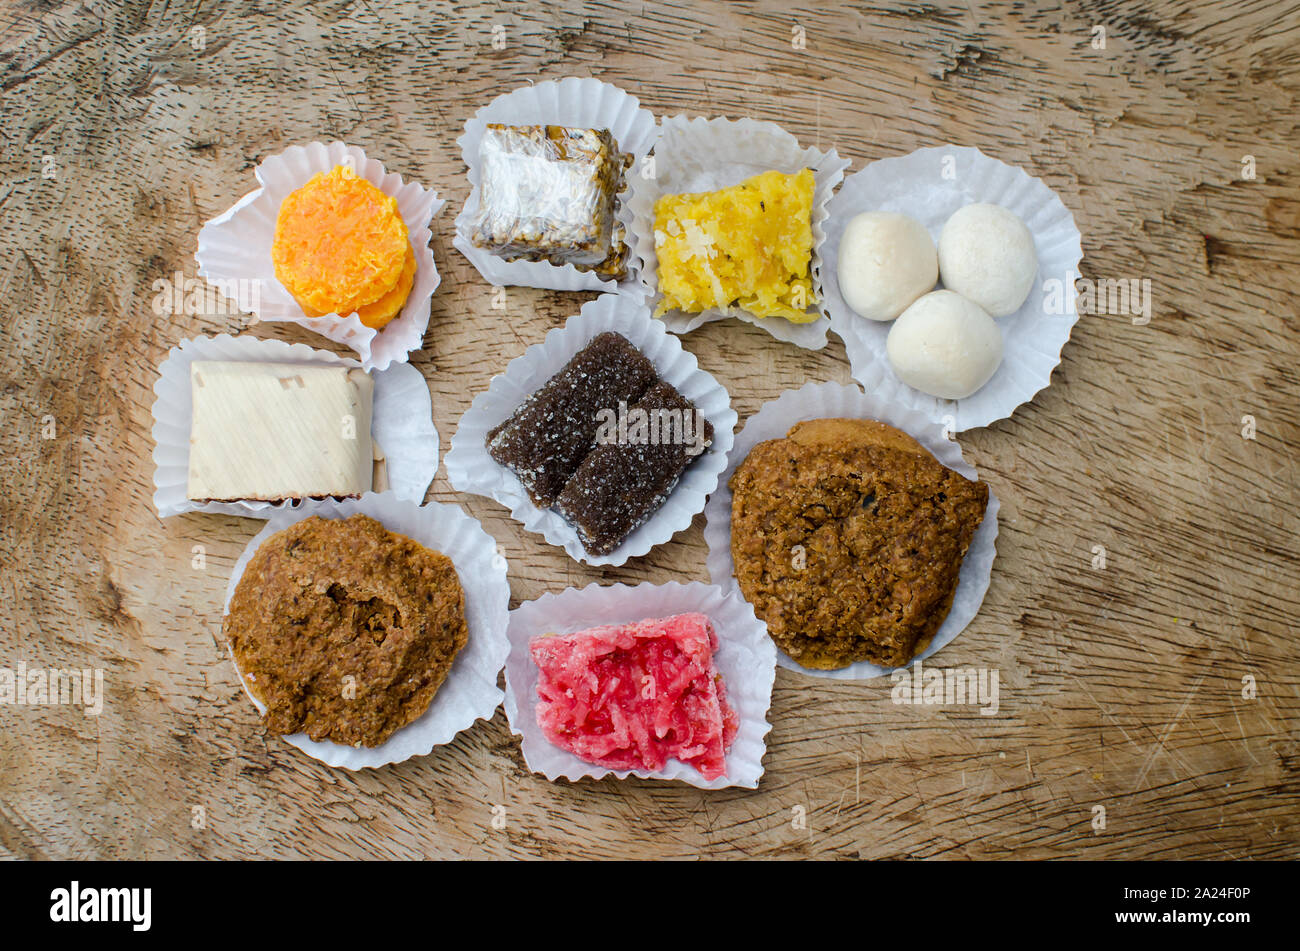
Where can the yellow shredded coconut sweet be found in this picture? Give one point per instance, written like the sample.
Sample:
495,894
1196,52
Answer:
747,246
341,245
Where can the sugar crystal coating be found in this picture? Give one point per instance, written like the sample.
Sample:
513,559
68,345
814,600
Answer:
603,441
550,433
621,484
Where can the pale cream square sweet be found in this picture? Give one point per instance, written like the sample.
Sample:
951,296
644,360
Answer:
273,431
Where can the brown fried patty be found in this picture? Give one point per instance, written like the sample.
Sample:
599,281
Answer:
345,630
848,536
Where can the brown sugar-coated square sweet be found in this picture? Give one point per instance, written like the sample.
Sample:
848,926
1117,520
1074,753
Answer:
621,483
546,438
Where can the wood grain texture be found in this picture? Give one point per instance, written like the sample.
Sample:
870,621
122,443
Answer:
1121,687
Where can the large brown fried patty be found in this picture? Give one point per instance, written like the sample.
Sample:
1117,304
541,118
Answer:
848,536
345,630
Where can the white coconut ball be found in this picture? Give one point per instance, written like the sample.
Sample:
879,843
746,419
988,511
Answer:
887,260
986,254
945,345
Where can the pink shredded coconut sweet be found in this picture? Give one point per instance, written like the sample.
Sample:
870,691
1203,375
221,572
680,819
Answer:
630,696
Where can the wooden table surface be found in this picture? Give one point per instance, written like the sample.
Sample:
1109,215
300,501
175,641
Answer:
1148,708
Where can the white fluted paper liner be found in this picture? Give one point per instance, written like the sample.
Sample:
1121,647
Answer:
835,400
694,155
930,184
577,103
471,469
470,690
401,421
745,659
234,252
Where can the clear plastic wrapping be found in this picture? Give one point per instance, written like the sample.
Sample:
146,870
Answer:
550,193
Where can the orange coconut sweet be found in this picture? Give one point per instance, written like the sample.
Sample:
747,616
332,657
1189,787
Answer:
378,314
341,245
